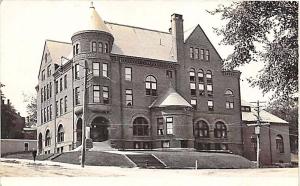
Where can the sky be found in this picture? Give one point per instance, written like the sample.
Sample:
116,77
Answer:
25,25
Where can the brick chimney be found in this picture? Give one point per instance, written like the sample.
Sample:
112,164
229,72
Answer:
177,36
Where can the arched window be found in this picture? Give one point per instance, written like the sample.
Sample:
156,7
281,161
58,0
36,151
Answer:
209,76
48,138
76,49
220,130
201,76
151,86
60,134
100,47
105,48
201,129
94,46
192,75
279,143
140,127
228,92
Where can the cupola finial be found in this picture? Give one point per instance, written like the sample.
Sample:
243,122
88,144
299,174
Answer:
92,5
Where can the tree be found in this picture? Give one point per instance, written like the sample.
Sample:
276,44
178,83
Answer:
31,109
263,31
9,120
287,110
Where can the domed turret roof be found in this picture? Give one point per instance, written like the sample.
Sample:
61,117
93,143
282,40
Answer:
96,22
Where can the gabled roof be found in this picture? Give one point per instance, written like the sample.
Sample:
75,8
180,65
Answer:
58,49
141,42
170,98
264,115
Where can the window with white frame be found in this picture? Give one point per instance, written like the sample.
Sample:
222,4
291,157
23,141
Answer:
193,89
96,69
100,47
229,105
192,75
201,76
104,70
128,97
160,126
194,103
207,55
76,74
128,73
96,93
151,86
105,95
210,105
169,122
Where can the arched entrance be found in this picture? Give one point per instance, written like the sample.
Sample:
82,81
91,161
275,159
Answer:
40,143
79,131
99,131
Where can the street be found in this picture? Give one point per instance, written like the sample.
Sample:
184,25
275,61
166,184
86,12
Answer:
43,173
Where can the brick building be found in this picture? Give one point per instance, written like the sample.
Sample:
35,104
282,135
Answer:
146,89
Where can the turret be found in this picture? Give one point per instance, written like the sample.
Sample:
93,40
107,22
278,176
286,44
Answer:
93,39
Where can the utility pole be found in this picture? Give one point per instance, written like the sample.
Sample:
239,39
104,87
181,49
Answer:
257,126
84,114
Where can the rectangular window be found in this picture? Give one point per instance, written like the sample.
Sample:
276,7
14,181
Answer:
56,86
202,54
128,73
193,89
50,89
206,55
76,74
196,53
169,74
105,94
96,93
49,71
209,89
191,52
96,69
42,116
169,122
210,105
60,84
165,144
42,95
66,103
56,109
104,70
43,75
229,105
160,126
47,119
77,96
45,112
65,81
50,112
201,89
128,97
61,106
47,91
194,103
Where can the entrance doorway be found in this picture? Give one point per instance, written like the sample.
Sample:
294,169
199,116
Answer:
40,143
79,131
99,131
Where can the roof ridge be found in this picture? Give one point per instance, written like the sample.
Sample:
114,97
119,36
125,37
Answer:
137,27
51,40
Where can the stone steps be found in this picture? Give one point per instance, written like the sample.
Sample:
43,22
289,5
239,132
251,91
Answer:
145,160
